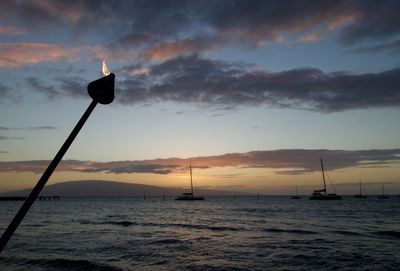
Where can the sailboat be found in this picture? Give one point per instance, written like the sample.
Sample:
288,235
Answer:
296,196
383,196
360,196
321,194
190,195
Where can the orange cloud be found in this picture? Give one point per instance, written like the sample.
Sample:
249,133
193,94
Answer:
170,49
286,162
16,54
309,38
341,20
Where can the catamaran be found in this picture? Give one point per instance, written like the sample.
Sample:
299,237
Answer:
321,194
190,195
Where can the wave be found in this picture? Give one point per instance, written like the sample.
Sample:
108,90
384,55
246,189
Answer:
203,227
59,263
275,230
126,223
167,241
35,225
347,232
394,234
122,223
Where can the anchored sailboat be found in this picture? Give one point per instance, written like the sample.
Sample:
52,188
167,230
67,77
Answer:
190,195
360,196
321,194
296,196
383,196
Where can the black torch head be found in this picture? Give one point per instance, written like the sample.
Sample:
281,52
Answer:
102,90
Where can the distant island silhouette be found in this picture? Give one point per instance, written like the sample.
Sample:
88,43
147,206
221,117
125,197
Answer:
102,188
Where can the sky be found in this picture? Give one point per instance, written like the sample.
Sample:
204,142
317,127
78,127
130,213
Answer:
250,93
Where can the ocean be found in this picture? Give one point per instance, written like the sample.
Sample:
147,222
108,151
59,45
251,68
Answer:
219,233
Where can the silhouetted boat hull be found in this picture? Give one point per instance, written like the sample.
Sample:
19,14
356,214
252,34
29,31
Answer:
185,197
296,196
321,194
325,197
360,196
382,197
189,196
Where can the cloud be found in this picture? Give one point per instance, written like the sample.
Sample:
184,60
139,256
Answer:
39,128
11,30
131,167
374,20
17,54
392,46
164,29
185,46
62,87
309,38
222,84
74,86
118,167
40,86
287,162
4,91
32,128
226,86
41,13
11,137
2,152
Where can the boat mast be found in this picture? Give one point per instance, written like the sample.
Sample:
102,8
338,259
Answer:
191,180
360,187
323,174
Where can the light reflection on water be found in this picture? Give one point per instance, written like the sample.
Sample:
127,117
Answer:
272,233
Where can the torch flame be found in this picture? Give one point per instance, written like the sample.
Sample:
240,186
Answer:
104,69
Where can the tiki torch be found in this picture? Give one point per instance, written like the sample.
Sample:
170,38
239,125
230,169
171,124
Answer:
101,91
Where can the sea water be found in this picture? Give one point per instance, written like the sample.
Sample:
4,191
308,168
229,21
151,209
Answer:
219,233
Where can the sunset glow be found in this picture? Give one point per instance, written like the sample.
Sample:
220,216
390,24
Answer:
251,101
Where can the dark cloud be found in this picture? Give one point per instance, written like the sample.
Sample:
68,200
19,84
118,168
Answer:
62,87
166,28
373,20
4,152
291,161
40,128
118,167
192,27
11,137
221,84
130,167
74,86
195,27
32,128
392,46
227,86
4,91
42,87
